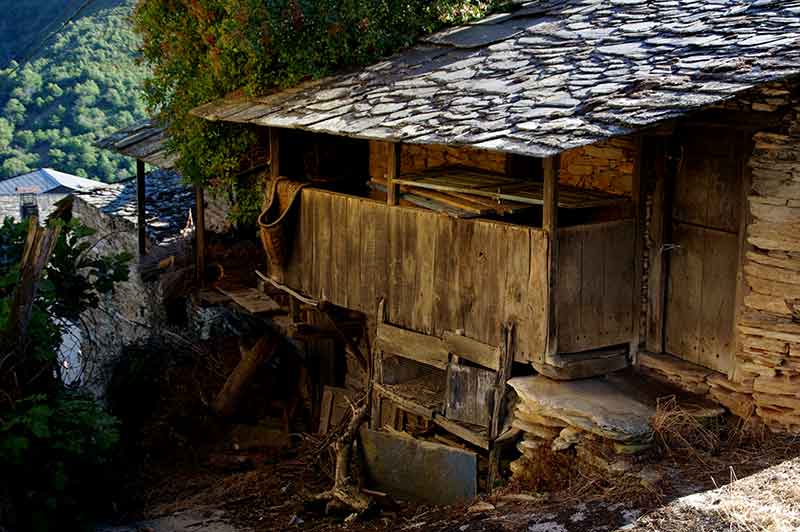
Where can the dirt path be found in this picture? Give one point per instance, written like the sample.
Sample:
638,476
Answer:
188,521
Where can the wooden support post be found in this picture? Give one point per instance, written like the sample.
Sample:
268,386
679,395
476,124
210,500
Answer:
393,172
747,145
141,219
200,233
638,197
496,424
274,153
656,233
551,168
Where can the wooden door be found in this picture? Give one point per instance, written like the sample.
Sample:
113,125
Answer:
704,249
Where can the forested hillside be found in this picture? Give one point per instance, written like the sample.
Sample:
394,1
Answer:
83,84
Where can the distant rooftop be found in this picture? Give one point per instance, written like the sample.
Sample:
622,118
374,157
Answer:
46,180
168,202
145,141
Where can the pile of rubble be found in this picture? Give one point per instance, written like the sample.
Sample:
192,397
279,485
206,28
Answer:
604,424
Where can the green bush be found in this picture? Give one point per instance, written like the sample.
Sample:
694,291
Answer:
58,451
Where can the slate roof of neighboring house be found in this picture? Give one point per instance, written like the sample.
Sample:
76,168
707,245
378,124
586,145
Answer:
45,180
168,202
145,140
549,76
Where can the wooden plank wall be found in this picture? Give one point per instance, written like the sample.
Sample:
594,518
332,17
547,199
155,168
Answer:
436,273
596,270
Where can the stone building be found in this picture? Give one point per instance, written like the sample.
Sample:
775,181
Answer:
135,311
571,198
37,192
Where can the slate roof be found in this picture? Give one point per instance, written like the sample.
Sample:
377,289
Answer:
145,140
549,76
167,203
45,180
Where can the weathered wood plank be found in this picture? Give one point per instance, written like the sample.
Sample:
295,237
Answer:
620,297
533,330
657,274
684,298
551,167
469,395
514,288
429,350
570,284
720,265
473,350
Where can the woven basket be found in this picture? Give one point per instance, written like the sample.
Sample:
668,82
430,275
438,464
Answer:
274,221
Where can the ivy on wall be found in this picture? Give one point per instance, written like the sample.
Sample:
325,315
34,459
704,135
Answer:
201,50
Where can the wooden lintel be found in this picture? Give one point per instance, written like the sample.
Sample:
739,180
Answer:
422,348
141,219
482,354
551,167
393,160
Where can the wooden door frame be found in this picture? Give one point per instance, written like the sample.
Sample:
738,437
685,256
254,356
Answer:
659,232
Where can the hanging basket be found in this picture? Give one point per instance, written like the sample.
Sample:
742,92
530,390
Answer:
274,220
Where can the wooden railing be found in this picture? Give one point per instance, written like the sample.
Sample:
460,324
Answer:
594,289
436,273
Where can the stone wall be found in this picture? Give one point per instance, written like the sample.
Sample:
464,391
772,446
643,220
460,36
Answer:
128,315
417,157
768,358
607,166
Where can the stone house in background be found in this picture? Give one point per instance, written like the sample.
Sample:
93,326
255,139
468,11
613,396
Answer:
37,192
135,311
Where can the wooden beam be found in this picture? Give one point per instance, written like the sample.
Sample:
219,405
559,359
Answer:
200,233
393,172
141,219
274,153
551,168
656,233
638,193
482,354
426,349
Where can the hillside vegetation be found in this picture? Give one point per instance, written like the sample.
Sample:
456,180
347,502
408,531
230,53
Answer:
82,85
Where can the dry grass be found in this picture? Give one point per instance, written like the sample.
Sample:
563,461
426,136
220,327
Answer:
678,431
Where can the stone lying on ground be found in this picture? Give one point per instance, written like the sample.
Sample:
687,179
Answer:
593,405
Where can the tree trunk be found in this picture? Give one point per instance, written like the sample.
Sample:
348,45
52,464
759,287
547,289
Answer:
228,398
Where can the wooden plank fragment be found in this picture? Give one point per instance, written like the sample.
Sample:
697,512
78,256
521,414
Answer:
470,394
426,349
252,300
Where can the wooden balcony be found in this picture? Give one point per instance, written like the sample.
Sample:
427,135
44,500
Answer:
440,274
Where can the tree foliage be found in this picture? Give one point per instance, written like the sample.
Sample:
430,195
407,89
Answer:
83,85
201,50
54,442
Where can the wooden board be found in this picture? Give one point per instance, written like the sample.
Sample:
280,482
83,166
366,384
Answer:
477,352
420,470
595,295
707,189
469,395
498,187
252,300
429,350
701,296
334,407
